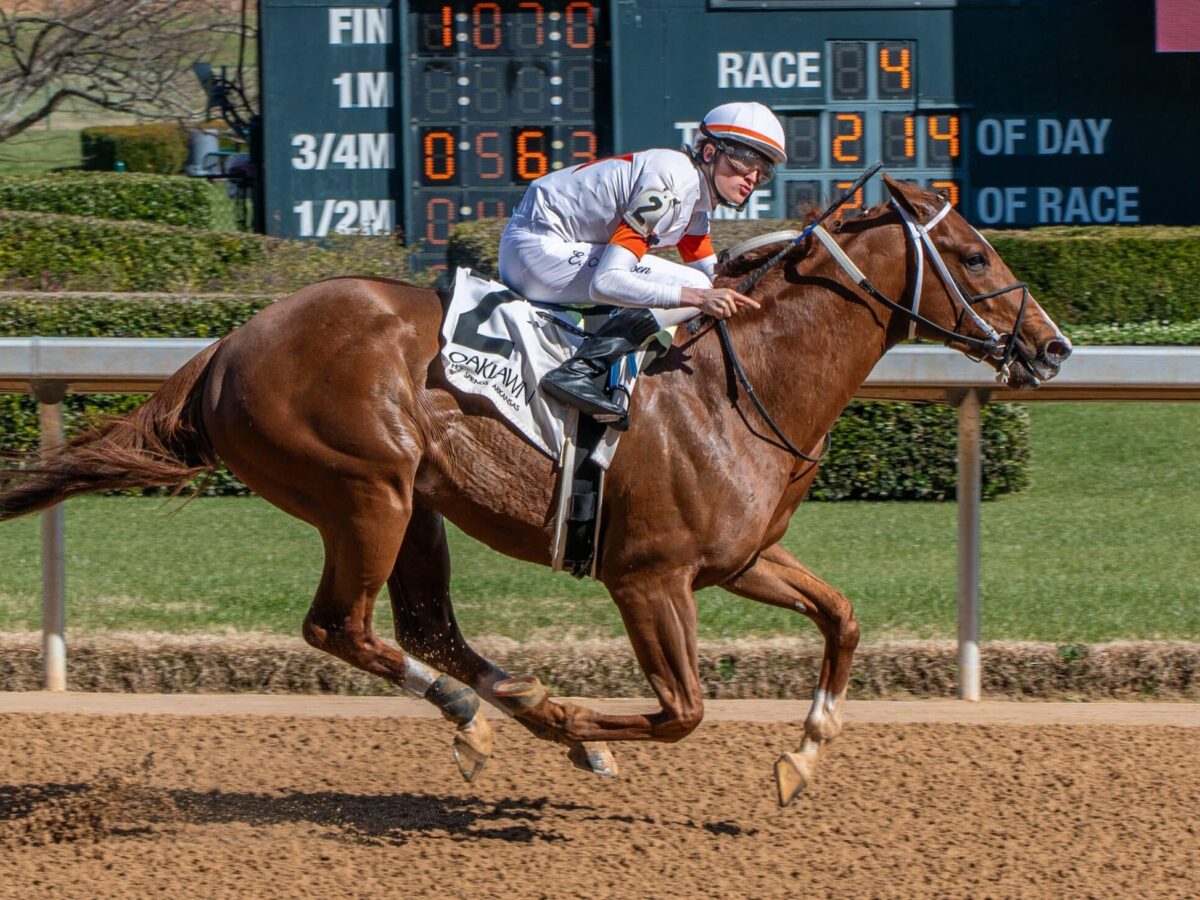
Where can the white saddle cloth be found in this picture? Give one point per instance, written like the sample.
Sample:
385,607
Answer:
498,346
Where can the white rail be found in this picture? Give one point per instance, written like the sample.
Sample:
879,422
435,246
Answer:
49,367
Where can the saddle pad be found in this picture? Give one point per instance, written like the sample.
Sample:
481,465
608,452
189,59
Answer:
498,345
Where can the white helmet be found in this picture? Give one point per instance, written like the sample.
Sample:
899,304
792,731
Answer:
751,124
749,136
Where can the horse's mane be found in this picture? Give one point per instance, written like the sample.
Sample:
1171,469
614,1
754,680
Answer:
745,263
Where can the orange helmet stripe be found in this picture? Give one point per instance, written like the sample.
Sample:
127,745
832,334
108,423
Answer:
748,132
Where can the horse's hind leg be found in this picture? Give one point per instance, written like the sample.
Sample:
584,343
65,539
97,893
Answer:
419,587
778,578
361,545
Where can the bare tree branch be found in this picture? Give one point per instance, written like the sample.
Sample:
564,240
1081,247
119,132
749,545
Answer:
127,56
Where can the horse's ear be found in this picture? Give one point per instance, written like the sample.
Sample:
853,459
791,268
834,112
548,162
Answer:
916,201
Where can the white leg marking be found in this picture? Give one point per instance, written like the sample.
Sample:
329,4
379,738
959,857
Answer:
418,677
820,705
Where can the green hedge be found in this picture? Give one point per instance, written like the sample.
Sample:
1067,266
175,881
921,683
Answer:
159,148
1094,275
880,450
24,315
905,451
72,252
1143,333
163,199
43,251
19,433
116,315
1099,275
170,315
291,265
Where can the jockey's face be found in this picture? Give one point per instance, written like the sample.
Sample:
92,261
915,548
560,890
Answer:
733,182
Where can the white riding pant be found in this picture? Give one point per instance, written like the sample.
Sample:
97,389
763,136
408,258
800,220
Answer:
548,269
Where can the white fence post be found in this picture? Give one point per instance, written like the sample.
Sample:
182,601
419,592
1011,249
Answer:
50,395
970,492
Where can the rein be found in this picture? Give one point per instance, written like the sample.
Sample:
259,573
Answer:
744,381
749,282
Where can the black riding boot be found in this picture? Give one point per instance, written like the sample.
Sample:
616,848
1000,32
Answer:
579,382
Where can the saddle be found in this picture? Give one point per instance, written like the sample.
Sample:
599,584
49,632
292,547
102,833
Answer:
498,346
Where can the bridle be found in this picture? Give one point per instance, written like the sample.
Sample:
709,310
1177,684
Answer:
1003,347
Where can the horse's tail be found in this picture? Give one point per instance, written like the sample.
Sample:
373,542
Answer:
162,443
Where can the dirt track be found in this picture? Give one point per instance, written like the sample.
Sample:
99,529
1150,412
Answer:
362,805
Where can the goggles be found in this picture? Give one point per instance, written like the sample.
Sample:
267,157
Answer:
744,160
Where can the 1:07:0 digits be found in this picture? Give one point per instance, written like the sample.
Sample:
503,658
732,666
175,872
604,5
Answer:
508,28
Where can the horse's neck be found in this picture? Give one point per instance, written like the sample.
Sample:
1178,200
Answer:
818,341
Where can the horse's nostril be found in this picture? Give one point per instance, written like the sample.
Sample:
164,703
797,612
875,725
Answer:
1056,351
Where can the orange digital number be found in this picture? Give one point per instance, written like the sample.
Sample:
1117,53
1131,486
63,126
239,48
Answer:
433,155
539,16
480,27
903,67
575,40
949,188
438,232
447,26
588,151
910,136
497,159
950,134
531,163
855,202
840,153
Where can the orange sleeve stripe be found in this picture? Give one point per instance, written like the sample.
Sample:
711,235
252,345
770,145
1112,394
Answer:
626,237
695,246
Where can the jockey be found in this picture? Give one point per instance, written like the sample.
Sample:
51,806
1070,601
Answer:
581,236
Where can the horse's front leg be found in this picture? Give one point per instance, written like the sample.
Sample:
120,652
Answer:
779,579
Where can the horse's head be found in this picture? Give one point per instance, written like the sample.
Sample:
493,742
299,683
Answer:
963,286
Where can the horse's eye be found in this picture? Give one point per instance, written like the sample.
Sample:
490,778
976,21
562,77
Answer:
977,262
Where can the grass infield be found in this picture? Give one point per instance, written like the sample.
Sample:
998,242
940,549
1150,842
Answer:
1103,546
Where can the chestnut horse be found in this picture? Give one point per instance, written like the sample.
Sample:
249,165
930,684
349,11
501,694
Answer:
332,404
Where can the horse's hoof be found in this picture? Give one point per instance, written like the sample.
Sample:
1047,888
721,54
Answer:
520,695
593,757
472,746
793,773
